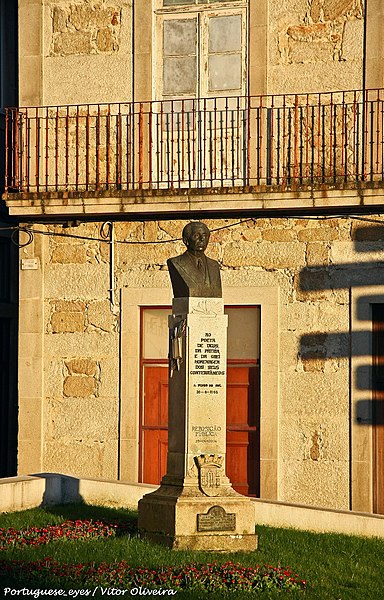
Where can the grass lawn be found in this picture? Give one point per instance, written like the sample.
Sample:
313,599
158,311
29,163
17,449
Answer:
334,566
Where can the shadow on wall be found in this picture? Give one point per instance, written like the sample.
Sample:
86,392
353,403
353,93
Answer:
62,497
323,346
60,489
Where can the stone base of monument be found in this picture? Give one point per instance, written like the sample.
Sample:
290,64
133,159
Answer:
221,524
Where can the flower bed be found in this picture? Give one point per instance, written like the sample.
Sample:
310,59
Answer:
69,530
209,578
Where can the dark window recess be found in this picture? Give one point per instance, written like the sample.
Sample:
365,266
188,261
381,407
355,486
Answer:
8,355
8,397
8,253
5,267
8,73
8,53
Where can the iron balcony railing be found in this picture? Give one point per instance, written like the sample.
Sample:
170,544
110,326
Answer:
288,140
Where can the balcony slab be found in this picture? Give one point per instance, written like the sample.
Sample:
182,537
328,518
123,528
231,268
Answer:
146,203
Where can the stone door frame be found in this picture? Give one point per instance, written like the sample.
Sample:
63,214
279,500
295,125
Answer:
361,425
132,299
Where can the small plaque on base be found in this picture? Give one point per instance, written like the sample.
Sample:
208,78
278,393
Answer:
216,519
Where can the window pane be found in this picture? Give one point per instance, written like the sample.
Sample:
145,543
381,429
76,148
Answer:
155,332
180,37
224,72
179,75
225,34
243,332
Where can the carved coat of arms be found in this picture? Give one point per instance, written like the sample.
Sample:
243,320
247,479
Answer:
210,473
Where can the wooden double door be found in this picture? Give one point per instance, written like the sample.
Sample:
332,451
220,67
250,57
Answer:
242,452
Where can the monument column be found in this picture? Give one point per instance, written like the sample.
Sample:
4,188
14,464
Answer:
195,506
197,388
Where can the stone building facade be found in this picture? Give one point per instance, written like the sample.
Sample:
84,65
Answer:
307,256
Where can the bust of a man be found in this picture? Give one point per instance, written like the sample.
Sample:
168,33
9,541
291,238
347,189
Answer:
193,273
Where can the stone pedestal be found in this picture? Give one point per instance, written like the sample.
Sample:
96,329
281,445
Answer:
195,507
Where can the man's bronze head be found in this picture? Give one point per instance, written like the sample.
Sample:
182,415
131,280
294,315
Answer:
196,236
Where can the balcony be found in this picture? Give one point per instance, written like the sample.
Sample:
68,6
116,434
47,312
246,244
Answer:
311,147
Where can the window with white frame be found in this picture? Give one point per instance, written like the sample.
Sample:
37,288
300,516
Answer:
200,79
201,48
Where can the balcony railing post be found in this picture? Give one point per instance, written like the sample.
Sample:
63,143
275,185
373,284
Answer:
46,149
365,135
381,138
37,149
141,145
108,146
29,154
18,154
67,148
248,142
150,145
97,132
296,140
118,148
260,142
57,147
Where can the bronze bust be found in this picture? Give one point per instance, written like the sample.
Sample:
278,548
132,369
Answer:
193,273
